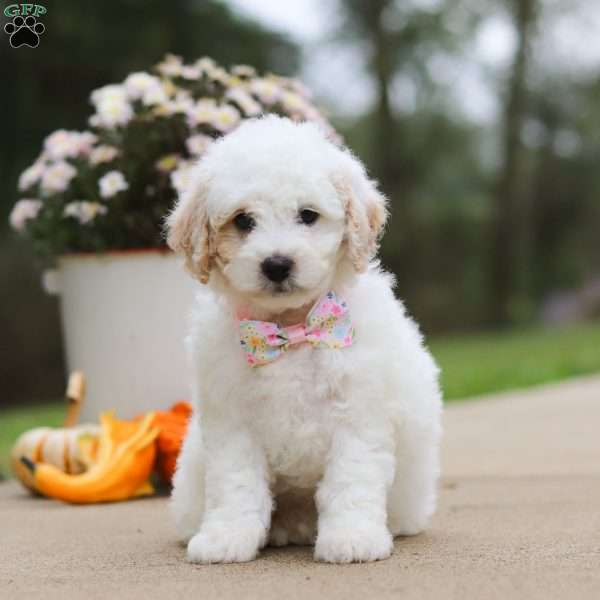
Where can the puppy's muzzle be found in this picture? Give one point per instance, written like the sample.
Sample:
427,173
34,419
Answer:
277,268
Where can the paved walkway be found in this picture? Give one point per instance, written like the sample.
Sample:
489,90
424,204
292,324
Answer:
519,517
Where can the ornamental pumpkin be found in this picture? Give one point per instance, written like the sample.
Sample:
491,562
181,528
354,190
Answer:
172,425
124,461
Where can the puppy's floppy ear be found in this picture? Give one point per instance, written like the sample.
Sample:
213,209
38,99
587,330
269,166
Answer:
366,214
188,228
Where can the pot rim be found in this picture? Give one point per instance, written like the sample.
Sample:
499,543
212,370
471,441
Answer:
126,252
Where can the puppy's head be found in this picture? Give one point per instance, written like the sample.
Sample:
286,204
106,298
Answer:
275,214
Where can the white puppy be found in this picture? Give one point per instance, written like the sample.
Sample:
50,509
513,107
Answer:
334,445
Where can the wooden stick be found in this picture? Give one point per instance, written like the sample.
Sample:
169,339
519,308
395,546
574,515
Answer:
75,396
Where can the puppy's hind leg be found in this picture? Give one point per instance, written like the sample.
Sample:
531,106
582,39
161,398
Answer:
412,497
187,499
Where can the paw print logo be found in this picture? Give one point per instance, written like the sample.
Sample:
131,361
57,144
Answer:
24,31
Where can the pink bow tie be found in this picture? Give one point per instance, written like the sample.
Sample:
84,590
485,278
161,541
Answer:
328,325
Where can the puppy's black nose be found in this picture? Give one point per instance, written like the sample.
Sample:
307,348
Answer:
277,268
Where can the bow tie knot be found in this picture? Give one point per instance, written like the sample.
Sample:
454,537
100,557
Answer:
328,325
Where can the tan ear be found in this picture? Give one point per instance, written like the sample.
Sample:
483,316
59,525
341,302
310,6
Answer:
188,229
366,214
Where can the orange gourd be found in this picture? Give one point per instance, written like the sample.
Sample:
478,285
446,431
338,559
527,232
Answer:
172,425
124,459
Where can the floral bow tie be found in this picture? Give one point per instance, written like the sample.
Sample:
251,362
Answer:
328,325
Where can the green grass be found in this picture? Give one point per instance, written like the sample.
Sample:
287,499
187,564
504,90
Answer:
16,420
486,363
471,365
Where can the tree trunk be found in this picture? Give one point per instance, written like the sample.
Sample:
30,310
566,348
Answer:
384,118
506,223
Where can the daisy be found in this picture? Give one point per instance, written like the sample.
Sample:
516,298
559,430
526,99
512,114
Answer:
112,107
112,183
137,84
191,72
57,176
171,66
84,212
197,144
202,112
180,178
267,90
225,118
182,103
103,154
243,71
155,95
23,211
245,101
293,103
68,144
31,175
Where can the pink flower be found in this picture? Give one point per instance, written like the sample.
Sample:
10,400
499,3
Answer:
267,328
68,144
23,211
336,310
31,175
325,308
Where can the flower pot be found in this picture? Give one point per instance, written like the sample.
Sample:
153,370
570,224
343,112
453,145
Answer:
125,316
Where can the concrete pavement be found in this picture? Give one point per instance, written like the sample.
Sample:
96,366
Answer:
519,517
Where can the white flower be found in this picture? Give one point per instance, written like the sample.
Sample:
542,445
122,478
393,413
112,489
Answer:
245,101
202,112
293,103
171,66
84,212
102,154
243,71
191,72
205,64
57,176
225,118
197,144
155,95
112,107
180,178
219,75
137,84
182,103
23,211
68,144
112,183
267,90
86,140
31,175
145,87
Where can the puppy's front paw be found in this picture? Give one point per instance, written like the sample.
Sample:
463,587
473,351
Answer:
226,543
338,544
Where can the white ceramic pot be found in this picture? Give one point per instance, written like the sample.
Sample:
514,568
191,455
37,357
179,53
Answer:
125,316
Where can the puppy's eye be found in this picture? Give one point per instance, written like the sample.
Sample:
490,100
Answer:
308,216
244,222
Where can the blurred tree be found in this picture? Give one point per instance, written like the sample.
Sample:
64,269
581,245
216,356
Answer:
564,218
423,155
88,44
509,194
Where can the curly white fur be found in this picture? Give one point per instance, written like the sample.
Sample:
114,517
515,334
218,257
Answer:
333,447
